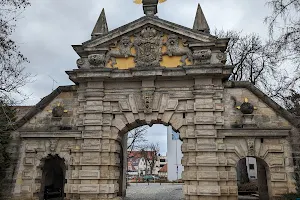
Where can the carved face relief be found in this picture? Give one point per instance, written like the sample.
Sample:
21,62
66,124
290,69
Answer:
53,144
147,99
148,46
251,147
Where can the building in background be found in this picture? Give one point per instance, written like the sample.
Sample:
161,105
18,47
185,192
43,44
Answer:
174,155
139,166
163,172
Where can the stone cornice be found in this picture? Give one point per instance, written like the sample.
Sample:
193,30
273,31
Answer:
214,70
253,132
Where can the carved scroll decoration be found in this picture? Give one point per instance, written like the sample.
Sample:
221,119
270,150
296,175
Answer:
202,56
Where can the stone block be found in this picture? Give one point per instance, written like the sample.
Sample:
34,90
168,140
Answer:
172,104
206,133
278,176
91,134
207,175
88,189
27,174
107,188
124,105
28,161
31,147
91,145
207,160
209,190
87,160
89,174
26,188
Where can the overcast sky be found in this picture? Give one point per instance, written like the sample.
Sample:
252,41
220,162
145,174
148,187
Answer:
48,28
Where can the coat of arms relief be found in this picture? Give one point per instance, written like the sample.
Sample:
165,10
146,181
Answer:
146,49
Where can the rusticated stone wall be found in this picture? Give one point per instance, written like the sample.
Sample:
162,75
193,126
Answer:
200,109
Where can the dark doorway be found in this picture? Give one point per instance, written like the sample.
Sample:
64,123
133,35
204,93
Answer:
53,178
252,178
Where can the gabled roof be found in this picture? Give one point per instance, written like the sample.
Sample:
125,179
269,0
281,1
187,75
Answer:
267,100
43,103
164,168
150,20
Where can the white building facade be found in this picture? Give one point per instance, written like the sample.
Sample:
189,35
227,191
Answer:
174,155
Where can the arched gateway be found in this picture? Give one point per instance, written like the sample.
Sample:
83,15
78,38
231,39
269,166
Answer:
154,71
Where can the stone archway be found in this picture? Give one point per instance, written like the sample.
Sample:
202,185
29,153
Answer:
258,177
123,136
53,178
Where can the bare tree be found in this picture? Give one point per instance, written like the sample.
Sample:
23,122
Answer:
284,27
154,150
150,154
136,138
258,62
12,74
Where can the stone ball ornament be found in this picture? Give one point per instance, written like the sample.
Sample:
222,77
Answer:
58,110
246,107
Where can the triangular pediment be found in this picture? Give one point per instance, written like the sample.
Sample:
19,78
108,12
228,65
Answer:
150,41
155,22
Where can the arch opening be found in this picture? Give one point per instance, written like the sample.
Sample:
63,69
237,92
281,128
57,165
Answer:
150,154
253,178
53,178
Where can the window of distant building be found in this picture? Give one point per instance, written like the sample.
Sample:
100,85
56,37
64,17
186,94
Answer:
251,166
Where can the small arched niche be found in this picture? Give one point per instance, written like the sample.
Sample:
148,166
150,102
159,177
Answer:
53,178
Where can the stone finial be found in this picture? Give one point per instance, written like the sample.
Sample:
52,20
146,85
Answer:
150,7
200,23
101,25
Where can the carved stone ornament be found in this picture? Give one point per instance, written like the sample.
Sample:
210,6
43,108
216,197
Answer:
147,100
148,45
202,56
97,60
53,145
58,111
123,50
80,62
251,146
222,57
174,49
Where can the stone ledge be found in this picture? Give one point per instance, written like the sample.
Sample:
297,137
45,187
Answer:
253,132
56,134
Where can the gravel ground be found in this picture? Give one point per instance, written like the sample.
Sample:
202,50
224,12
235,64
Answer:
154,191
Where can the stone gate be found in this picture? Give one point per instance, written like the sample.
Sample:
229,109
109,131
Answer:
145,72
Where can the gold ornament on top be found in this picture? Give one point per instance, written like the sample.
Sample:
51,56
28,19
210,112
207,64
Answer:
141,1
58,110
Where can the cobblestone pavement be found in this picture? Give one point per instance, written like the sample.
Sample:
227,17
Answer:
154,191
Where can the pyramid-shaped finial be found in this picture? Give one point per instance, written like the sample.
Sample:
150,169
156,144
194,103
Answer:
101,25
200,23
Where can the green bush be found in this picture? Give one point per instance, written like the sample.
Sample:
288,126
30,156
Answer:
248,187
290,196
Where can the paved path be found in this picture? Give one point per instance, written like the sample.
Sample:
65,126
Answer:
154,191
